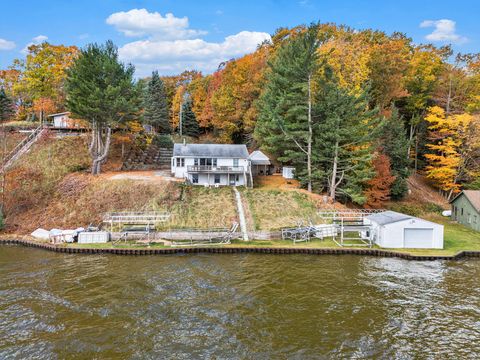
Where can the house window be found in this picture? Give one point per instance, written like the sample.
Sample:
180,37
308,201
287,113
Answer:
195,162
205,161
237,178
214,162
461,211
194,178
469,218
217,178
180,162
235,162
474,219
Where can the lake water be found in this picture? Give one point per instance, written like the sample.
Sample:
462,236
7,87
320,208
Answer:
242,306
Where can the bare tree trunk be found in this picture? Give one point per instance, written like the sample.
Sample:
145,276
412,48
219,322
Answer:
310,136
333,182
102,153
449,97
416,154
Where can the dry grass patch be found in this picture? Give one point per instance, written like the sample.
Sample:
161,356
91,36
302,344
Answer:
275,209
201,207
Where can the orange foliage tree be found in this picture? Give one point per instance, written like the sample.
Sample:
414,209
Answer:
379,187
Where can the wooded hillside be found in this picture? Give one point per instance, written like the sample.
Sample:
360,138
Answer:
356,112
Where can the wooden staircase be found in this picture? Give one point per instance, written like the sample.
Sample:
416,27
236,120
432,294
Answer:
22,148
153,157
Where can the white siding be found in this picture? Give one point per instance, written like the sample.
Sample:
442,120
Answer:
203,178
410,233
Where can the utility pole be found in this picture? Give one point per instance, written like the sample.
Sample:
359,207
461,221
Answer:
180,125
180,118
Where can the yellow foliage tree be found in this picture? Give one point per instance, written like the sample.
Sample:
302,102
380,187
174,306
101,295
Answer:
449,136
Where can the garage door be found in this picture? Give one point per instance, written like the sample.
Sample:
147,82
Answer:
418,238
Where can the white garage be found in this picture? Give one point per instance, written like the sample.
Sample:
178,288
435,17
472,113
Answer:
390,229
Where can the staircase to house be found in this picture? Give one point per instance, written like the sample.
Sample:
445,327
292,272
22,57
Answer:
22,148
153,157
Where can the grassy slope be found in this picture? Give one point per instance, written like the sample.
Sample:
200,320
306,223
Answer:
274,209
51,187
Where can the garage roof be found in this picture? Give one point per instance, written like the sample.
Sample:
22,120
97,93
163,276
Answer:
388,217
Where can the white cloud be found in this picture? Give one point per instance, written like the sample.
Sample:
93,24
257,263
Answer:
140,22
170,46
39,39
444,30
178,55
35,41
6,44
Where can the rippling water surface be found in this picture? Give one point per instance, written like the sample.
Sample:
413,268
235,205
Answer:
236,307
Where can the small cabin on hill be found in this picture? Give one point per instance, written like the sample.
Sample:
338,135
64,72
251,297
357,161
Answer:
212,164
466,209
63,121
395,230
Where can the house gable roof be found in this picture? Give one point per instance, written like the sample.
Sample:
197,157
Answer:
211,150
259,158
58,114
473,196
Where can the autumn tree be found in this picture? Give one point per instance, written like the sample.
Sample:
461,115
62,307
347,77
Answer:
379,186
388,65
156,106
43,73
101,90
446,160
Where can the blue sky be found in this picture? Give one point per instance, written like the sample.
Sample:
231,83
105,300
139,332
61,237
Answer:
200,34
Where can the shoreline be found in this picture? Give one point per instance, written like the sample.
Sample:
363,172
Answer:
464,254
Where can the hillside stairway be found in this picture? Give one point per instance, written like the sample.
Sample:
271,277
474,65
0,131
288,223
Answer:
22,148
153,157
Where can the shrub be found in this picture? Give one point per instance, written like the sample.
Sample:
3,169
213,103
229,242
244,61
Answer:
163,141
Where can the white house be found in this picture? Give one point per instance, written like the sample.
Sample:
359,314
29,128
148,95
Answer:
212,164
395,230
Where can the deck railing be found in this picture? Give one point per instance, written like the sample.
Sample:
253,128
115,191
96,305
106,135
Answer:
136,217
216,169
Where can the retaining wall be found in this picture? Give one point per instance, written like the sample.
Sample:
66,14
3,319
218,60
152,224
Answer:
238,250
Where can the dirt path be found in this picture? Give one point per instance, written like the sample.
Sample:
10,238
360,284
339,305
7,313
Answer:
151,176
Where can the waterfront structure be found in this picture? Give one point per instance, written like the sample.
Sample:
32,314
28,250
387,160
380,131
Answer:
390,229
466,209
212,164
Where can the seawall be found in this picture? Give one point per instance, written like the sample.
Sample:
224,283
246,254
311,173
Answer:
241,250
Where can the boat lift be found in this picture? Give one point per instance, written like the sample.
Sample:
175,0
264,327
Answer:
352,229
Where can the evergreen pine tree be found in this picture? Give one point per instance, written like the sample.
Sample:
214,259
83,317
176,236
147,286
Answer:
101,90
345,130
156,105
395,144
190,125
6,106
285,123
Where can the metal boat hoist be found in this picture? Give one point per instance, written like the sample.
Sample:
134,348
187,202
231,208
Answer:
352,230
